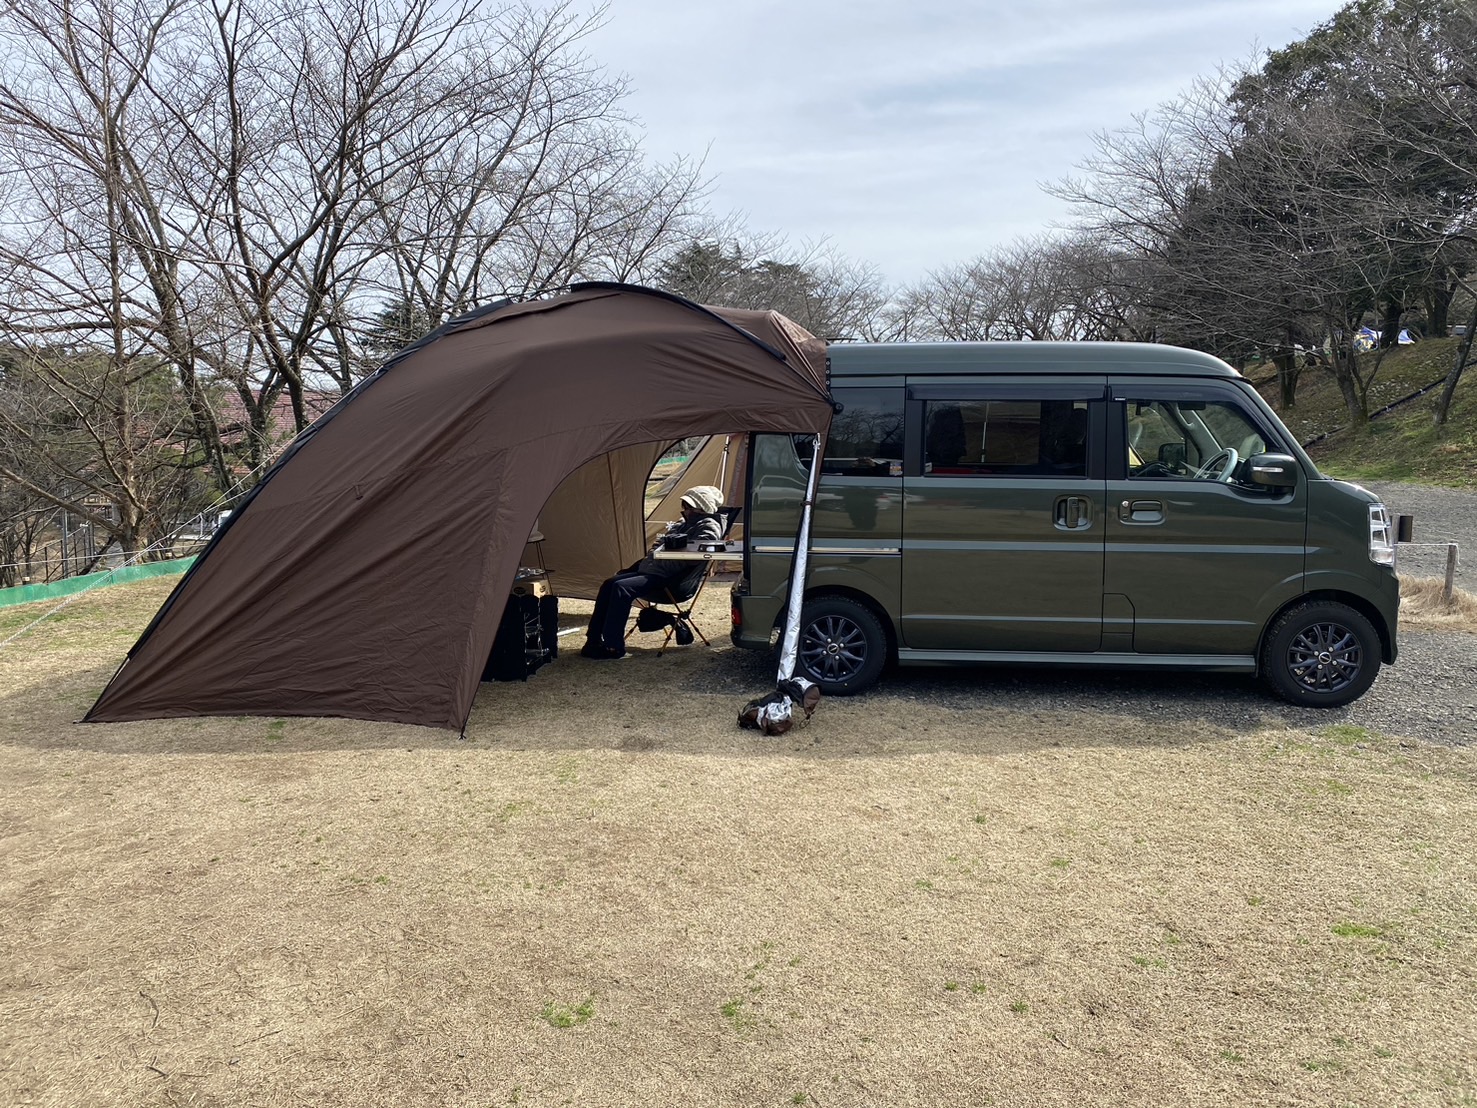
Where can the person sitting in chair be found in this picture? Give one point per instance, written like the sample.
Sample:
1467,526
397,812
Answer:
651,579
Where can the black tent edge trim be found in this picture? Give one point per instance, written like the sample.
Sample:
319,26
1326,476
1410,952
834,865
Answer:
395,359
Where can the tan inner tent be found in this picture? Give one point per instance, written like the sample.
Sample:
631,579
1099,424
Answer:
365,575
593,525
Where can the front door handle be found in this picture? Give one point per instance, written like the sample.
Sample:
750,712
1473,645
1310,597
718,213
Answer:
1073,513
1141,511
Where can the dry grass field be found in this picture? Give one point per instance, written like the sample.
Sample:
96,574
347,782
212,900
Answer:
608,894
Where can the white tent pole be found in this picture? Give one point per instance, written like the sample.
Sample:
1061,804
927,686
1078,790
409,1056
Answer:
789,646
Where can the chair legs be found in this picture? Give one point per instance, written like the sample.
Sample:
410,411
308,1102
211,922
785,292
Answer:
681,616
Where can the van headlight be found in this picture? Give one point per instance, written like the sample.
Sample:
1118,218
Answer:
1381,538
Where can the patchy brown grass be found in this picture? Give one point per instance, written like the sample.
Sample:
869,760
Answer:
1425,607
608,894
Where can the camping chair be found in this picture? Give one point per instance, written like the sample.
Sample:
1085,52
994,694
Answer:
673,613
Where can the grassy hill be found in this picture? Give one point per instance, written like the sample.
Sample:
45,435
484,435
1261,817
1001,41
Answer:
1401,445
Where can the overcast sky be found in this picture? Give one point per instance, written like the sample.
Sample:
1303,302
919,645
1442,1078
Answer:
914,134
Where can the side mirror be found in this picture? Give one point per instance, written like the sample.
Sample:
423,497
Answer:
1275,471
1172,456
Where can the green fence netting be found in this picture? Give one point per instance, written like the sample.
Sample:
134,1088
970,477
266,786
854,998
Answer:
29,594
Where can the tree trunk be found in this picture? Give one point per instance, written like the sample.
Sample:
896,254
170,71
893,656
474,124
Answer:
1438,306
1390,328
1346,373
1288,373
1448,389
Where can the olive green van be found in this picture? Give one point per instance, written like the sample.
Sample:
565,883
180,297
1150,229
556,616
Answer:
1081,504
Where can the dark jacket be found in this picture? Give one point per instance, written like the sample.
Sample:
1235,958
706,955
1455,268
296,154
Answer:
683,577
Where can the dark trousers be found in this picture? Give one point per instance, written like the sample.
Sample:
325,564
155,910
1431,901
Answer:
613,604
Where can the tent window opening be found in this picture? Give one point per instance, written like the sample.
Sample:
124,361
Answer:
1005,438
866,436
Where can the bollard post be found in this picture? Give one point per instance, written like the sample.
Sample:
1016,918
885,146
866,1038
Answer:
1450,574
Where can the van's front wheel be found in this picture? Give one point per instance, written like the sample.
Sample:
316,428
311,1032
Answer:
842,645
1321,655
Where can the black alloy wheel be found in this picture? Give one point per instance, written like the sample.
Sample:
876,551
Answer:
1322,655
842,646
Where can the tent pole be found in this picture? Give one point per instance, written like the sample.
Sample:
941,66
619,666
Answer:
723,466
789,648
775,714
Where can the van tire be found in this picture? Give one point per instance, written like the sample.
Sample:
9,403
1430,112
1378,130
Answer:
842,646
1321,655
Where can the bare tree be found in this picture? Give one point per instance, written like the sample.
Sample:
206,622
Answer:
107,438
1063,286
954,304
243,188
828,294
520,174
1166,199
88,255
1265,217
1429,56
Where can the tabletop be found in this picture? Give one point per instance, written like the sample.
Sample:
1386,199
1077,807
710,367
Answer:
730,550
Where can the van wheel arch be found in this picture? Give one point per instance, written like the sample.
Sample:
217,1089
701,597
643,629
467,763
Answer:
1331,596
860,598
852,641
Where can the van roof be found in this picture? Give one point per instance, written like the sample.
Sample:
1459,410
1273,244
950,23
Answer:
864,359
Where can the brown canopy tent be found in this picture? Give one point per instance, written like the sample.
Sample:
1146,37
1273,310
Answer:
365,575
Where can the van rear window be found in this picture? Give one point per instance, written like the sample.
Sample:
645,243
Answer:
866,438
1005,438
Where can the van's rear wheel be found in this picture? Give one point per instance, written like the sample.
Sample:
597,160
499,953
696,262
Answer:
1321,655
842,645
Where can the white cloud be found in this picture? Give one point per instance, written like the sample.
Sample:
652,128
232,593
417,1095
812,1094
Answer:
913,134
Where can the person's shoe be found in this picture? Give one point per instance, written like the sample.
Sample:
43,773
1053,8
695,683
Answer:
602,653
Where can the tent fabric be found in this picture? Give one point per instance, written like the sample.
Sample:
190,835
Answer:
365,576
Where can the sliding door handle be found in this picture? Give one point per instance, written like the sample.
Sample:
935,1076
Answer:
1072,513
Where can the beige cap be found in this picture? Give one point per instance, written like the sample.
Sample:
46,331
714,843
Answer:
705,498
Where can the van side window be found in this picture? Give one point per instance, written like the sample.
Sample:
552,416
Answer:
866,437
1005,438
1205,440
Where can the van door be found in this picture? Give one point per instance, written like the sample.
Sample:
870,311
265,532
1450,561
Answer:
1198,558
1003,521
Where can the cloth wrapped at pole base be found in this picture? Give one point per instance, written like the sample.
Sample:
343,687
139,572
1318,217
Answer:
775,714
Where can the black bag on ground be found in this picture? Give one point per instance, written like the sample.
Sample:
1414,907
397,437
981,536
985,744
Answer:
653,619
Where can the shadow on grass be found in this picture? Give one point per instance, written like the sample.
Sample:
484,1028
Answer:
685,701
